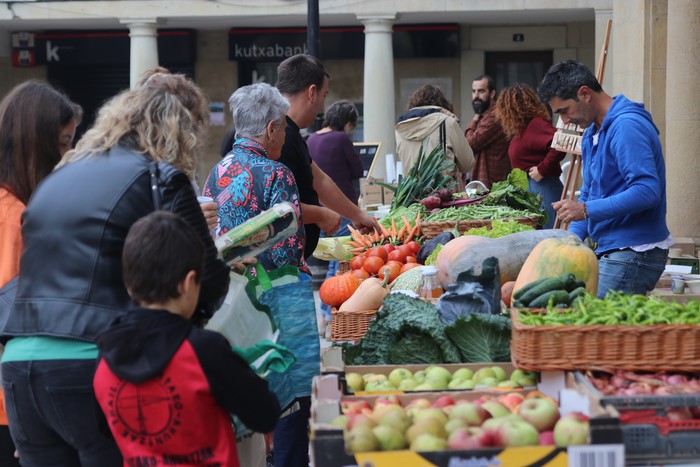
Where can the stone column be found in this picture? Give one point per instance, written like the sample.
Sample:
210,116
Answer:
379,94
144,46
683,118
601,20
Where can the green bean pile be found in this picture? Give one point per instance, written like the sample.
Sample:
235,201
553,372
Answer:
616,309
473,212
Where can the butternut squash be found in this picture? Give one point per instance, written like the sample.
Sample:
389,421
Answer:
368,296
470,251
555,256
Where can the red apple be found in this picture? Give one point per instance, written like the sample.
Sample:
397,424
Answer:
443,401
547,438
540,413
571,430
512,400
360,420
387,400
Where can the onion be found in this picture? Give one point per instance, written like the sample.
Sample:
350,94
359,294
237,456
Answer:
676,379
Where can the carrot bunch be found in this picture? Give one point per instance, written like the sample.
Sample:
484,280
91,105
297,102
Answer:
396,236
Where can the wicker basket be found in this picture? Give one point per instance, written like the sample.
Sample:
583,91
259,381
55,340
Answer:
599,347
350,325
343,266
433,229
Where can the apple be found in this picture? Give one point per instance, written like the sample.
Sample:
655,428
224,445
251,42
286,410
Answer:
391,399
507,384
383,409
499,373
376,385
399,374
540,413
389,438
359,421
419,376
481,373
407,385
355,406
372,377
571,430
511,400
419,403
524,378
437,382
355,382
463,373
516,433
341,421
395,419
428,442
461,439
361,439
438,372
472,414
459,383
454,424
547,438
431,412
430,426
487,382
443,401
492,424
424,387
495,408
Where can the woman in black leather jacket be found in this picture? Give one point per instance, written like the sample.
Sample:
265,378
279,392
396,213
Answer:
71,285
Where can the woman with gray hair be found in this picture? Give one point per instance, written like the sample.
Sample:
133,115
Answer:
249,180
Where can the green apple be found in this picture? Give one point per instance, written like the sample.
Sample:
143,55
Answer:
463,373
390,439
499,372
407,385
424,387
362,440
428,442
399,374
485,372
430,412
488,382
438,383
507,384
419,376
453,424
428,425
398,420
355,382
461,384
438,372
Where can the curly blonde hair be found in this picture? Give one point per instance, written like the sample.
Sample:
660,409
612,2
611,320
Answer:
164,117
516,106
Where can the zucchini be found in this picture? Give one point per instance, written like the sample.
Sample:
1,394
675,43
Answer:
545,285
521,291
556,297
576,293
569,281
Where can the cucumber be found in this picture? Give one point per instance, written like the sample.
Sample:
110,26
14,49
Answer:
576,293
545,285
569,281
557,297
521,291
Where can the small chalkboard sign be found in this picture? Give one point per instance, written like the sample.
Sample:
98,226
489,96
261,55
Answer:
368,155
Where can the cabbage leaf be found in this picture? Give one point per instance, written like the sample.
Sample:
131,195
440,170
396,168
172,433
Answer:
482,337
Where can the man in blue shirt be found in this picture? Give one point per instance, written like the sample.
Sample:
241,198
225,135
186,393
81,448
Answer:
622,206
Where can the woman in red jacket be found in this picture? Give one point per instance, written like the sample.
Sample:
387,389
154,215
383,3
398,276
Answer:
528,124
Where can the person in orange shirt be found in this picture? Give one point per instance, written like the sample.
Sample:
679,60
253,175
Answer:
37,126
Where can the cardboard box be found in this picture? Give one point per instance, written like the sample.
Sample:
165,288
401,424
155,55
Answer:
370,193
388,195
686,244
668,296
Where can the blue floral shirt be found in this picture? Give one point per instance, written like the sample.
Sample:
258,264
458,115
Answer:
246,183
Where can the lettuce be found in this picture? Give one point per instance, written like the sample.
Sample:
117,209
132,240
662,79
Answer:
482,337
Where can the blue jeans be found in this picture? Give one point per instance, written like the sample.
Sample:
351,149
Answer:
551,189
333,265
630,271
54,417
291,439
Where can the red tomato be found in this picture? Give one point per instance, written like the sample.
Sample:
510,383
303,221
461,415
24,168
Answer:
408,266
397,255
359,273
388,247
376,251
415,246
373,264
406,250
393,268
411,259
357,262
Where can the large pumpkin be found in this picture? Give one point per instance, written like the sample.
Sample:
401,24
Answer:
555,256
337,289
469,252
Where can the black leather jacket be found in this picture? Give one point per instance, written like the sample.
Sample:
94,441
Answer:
74,227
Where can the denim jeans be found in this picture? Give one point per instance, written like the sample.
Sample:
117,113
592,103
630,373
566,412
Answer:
54,417
333,265
291,439
630,271
551,189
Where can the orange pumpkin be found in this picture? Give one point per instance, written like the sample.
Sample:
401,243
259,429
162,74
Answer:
335,290
555,256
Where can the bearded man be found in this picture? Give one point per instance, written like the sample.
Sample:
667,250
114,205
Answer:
485,135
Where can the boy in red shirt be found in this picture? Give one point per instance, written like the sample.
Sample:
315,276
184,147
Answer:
167,387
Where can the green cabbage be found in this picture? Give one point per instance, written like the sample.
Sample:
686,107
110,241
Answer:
482,337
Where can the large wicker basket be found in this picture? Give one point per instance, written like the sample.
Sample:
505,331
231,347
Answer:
433,229
350,325
600,347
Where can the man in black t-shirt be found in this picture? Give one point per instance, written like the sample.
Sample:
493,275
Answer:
303,80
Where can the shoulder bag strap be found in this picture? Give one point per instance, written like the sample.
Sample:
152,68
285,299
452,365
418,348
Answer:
443,137
155,193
